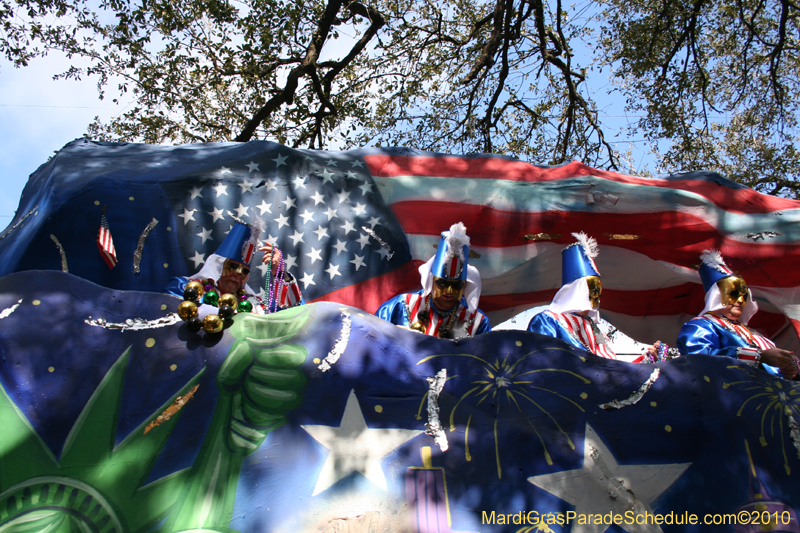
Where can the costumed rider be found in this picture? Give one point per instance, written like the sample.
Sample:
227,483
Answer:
220,289
721,328
573,314
447,305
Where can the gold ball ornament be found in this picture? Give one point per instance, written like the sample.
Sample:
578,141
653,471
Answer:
187,310
230,300
213,324
194,284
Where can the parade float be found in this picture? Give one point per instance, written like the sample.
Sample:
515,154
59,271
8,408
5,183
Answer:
116,416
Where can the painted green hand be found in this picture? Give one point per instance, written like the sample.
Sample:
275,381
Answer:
262,374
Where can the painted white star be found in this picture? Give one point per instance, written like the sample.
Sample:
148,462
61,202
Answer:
332,163
280,160
352,175
307,215
224,170
374,221
314,255
198,259
360,209
603,485
363,240
321,232
241,211
188,214
265,208
318,198
384,253
333,270
282,221
307,279
252,166
326,176
246,186
357,164
220,189
217,214
297,237
348,227
272,240
196,192
263,268
358,261
291,261
205,234
355,447
365,188
344,196
289,202
330,213
271,184
299,182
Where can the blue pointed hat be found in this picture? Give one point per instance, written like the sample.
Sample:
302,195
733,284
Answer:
239,243
713,268
577,260
452,255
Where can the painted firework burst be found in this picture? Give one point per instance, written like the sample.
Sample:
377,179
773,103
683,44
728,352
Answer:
507,385
777,401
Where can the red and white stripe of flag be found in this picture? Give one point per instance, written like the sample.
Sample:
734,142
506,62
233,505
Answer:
106,244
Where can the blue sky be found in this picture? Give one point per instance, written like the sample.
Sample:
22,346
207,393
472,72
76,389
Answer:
38,116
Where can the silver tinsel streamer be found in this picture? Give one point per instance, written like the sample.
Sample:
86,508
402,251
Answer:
434,425
135,324
636,396
20,221
380,241
137,255
5,312
61,253
341,344
794,433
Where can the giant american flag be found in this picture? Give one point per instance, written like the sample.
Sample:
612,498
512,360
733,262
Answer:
355,225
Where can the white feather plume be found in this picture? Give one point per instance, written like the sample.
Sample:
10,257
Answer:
713,258
457,239
256,228
589,244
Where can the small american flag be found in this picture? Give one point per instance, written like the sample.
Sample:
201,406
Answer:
105,243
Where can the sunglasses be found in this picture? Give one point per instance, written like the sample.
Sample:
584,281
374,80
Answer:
456,285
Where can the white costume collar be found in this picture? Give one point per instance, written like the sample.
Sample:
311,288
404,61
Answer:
574,298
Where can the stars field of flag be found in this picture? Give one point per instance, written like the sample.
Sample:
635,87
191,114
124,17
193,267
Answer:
323,213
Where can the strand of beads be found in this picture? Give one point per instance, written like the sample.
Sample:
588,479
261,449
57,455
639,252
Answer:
273,289
277,287
197,293
267,284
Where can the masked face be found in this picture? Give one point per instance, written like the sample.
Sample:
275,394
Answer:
595,290
234,276
447,293
733,290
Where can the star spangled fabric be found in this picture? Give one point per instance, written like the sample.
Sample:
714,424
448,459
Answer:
356,225
105,243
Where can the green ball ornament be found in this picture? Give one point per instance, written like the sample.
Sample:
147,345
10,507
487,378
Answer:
245,307
211,298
